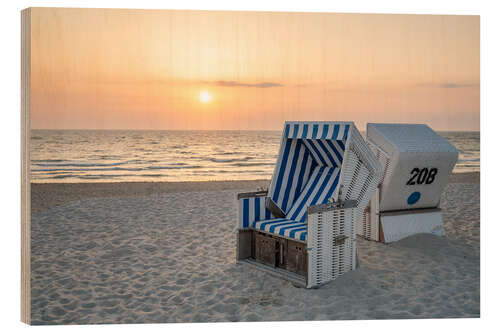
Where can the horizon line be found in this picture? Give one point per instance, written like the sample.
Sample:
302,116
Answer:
205,130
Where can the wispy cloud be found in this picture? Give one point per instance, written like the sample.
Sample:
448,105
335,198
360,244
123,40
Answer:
450,85
458,85
242,84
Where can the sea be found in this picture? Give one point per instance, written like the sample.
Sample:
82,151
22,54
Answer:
69,156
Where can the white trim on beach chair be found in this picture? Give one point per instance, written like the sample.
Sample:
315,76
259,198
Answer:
324,176
417,163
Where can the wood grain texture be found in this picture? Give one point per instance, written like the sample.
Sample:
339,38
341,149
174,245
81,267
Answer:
25,165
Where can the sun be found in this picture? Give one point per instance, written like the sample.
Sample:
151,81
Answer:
205,97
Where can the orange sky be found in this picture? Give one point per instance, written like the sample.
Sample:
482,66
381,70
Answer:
145,69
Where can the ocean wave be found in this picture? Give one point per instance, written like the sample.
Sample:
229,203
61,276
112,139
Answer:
107,157
228,153
467,166
88,169
152,167
98,176
54,172
80,164
88,177
48,160
229,160
173,167
252,164
245,171
61,176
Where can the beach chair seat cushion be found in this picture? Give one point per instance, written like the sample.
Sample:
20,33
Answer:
318,190
283,227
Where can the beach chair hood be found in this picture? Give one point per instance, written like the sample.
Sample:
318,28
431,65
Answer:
311,165
417,164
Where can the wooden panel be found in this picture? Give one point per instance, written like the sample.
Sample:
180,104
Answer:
266,249
244,244
296,258
282,252
25,166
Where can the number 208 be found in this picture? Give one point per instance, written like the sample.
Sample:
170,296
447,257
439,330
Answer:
422,176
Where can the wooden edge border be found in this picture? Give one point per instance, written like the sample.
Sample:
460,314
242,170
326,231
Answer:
25,166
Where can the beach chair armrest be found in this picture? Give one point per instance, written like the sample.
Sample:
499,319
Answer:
334,205
262,193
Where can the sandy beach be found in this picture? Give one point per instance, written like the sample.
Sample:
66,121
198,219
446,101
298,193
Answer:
165,252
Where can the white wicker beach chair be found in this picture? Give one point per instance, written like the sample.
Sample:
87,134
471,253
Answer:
416,165
303,228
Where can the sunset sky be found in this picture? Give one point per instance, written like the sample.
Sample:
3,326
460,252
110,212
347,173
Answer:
157,69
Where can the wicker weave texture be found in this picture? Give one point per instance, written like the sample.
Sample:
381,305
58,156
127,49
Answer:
368,224
361,174
331,245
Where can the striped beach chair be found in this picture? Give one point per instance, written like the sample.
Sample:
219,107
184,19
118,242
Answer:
303,227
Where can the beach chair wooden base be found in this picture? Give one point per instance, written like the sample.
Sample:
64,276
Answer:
296,257
329,251
273,251
278,252
270,254
266,249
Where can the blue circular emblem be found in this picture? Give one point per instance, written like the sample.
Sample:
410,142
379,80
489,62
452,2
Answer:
413,198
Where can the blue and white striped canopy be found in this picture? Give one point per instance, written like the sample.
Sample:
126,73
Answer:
308,166
317,130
